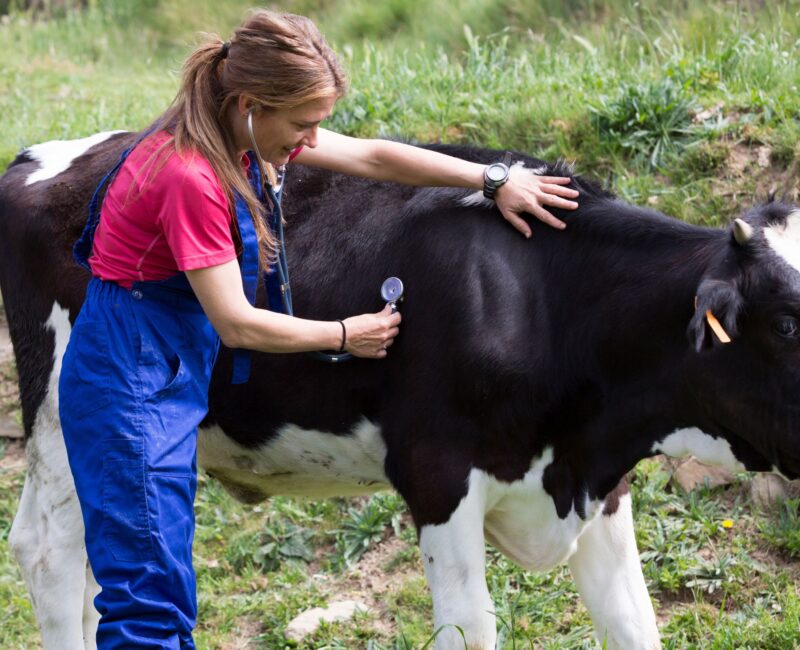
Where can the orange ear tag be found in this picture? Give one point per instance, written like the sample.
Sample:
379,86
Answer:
717,328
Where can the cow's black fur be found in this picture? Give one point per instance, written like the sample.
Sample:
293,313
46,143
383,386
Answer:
585,340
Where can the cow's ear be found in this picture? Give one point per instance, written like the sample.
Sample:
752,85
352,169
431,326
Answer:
723,302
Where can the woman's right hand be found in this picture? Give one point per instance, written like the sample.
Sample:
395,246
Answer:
368,335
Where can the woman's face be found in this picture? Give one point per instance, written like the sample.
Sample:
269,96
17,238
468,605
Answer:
279,132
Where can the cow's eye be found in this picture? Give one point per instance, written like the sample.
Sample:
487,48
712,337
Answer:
787,326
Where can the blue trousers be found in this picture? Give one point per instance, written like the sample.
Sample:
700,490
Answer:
133,388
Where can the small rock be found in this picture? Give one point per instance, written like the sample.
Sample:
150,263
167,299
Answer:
307,623
766,490
692,472
763,154
707,114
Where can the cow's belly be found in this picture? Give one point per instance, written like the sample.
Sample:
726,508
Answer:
297,462
521,519
527,530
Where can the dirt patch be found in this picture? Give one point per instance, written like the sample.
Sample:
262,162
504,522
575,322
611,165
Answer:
13,458
6,350
10,413
248,630
382,570
750,167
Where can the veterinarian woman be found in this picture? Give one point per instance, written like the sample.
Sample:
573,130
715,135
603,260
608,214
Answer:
173,258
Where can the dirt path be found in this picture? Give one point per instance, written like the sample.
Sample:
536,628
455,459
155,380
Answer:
6,352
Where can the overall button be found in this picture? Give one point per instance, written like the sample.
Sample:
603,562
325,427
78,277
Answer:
136,294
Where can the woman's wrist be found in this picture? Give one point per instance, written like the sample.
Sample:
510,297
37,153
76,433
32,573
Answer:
333,336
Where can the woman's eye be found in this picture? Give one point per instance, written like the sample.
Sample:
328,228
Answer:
787,327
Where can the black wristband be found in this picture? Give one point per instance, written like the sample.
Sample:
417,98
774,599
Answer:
344,334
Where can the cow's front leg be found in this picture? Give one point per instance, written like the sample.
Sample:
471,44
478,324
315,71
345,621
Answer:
454,558
47,541
609,577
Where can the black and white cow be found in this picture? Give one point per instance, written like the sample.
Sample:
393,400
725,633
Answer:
528,378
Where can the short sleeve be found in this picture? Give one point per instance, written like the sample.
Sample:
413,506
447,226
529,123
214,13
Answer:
193,215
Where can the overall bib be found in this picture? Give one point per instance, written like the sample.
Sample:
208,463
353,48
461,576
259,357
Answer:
132,391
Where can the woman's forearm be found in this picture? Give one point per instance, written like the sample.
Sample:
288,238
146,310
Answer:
266,331
240,325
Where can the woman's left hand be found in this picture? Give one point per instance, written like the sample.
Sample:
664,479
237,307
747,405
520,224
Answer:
528,193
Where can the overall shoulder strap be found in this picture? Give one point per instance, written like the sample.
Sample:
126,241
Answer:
82,249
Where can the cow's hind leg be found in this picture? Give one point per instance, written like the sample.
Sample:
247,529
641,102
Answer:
47,535
609,577
91,617
454,558
47,541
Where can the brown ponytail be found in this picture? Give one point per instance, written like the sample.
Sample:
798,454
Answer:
276,61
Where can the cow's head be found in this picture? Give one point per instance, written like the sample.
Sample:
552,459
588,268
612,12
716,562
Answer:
748,390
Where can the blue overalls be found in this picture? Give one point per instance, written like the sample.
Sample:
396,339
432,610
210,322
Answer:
132,391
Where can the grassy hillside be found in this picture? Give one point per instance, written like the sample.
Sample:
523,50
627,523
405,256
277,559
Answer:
692,108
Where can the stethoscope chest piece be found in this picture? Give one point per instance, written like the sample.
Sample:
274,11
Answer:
392,291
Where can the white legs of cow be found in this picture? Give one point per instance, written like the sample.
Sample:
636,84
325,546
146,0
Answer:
454,559
47,535
47,541
608,575
521,521
519,518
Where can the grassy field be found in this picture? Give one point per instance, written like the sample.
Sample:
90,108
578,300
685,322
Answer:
691,107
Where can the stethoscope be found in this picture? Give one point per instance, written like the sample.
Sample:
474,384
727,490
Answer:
391,289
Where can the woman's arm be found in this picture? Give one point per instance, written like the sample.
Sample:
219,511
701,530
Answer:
240,325
402,163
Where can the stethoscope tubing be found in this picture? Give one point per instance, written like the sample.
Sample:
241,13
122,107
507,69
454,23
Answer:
282,265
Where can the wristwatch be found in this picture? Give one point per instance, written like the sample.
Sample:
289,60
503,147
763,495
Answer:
495,176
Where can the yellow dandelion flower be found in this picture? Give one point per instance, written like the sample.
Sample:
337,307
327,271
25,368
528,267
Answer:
727,523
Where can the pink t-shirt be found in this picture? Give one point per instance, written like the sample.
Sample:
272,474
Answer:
161,215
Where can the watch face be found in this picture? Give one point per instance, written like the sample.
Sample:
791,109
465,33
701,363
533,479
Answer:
496,172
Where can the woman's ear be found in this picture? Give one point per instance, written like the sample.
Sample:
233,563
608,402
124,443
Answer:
243,105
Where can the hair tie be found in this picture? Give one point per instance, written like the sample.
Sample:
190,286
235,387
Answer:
223,53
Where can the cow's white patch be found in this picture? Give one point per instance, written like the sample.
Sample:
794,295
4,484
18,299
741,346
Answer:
479,200
454,558
609,577
706,448
784,239
47,535
56,156
298,462
520,519
522,522
476,199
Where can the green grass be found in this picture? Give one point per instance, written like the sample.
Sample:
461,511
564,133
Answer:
258,567
618,88
692,108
